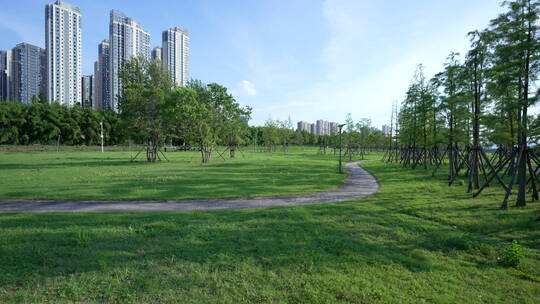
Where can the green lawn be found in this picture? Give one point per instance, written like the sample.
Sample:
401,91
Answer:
111,176
416,241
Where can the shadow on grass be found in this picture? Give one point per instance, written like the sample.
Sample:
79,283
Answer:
273,239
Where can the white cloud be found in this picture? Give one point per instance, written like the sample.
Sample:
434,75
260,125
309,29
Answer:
246,87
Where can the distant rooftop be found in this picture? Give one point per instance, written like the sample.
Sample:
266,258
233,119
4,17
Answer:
67,5
121,17
179,29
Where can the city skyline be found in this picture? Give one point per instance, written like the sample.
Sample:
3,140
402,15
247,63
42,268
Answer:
26,71
322,64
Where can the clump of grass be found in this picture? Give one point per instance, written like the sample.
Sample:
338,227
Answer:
83,239
512,255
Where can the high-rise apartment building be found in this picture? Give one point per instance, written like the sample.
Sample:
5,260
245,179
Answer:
5,75
28,72
63,39
321,127
156,53
175,54
88,91
127,39
304,126
96,90
102,78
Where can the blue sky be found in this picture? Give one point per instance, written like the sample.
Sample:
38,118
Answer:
308,59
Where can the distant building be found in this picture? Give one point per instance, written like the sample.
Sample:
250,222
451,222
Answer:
127,39
175,54
63,40
102,96
5,75
304,126
156,53
320,127
88,91
28,78
386,129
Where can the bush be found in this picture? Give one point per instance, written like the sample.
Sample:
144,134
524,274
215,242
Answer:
512,255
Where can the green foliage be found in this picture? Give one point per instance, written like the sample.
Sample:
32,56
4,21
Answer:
485,99
512,255
40,123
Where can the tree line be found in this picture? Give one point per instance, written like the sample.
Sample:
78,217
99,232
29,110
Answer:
481,100
43,123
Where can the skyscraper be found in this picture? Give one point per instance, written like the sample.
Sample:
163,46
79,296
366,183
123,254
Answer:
156,53
5,75
102,96
127,39
176,54
63,39
28,72
96,89
87,90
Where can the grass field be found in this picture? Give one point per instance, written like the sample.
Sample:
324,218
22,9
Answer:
416,241
111,176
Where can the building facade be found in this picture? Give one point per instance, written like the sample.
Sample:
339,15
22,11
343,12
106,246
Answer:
102,78
127,39
320,127
88,91
63,39
28,67
175,54
5,75
156,53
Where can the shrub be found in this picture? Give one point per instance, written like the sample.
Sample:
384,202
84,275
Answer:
512,255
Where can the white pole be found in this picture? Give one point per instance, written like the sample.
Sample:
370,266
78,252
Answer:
101,125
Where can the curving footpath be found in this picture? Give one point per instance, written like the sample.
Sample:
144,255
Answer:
359,184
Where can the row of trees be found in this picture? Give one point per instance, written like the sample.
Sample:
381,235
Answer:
52,123
479,101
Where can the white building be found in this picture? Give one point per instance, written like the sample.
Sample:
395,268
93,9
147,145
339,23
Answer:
63,44
127,39
175,54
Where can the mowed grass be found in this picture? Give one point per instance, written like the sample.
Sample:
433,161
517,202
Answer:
111,175
415,241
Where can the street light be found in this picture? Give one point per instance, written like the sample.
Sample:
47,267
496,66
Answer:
101,126
340,127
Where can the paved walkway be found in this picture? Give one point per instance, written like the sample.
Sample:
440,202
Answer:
358,184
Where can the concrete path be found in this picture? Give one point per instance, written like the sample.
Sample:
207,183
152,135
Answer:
359,184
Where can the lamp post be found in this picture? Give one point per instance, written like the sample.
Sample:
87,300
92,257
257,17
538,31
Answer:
101,126
340,135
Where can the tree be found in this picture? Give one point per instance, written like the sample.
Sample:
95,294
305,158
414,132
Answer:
145,84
